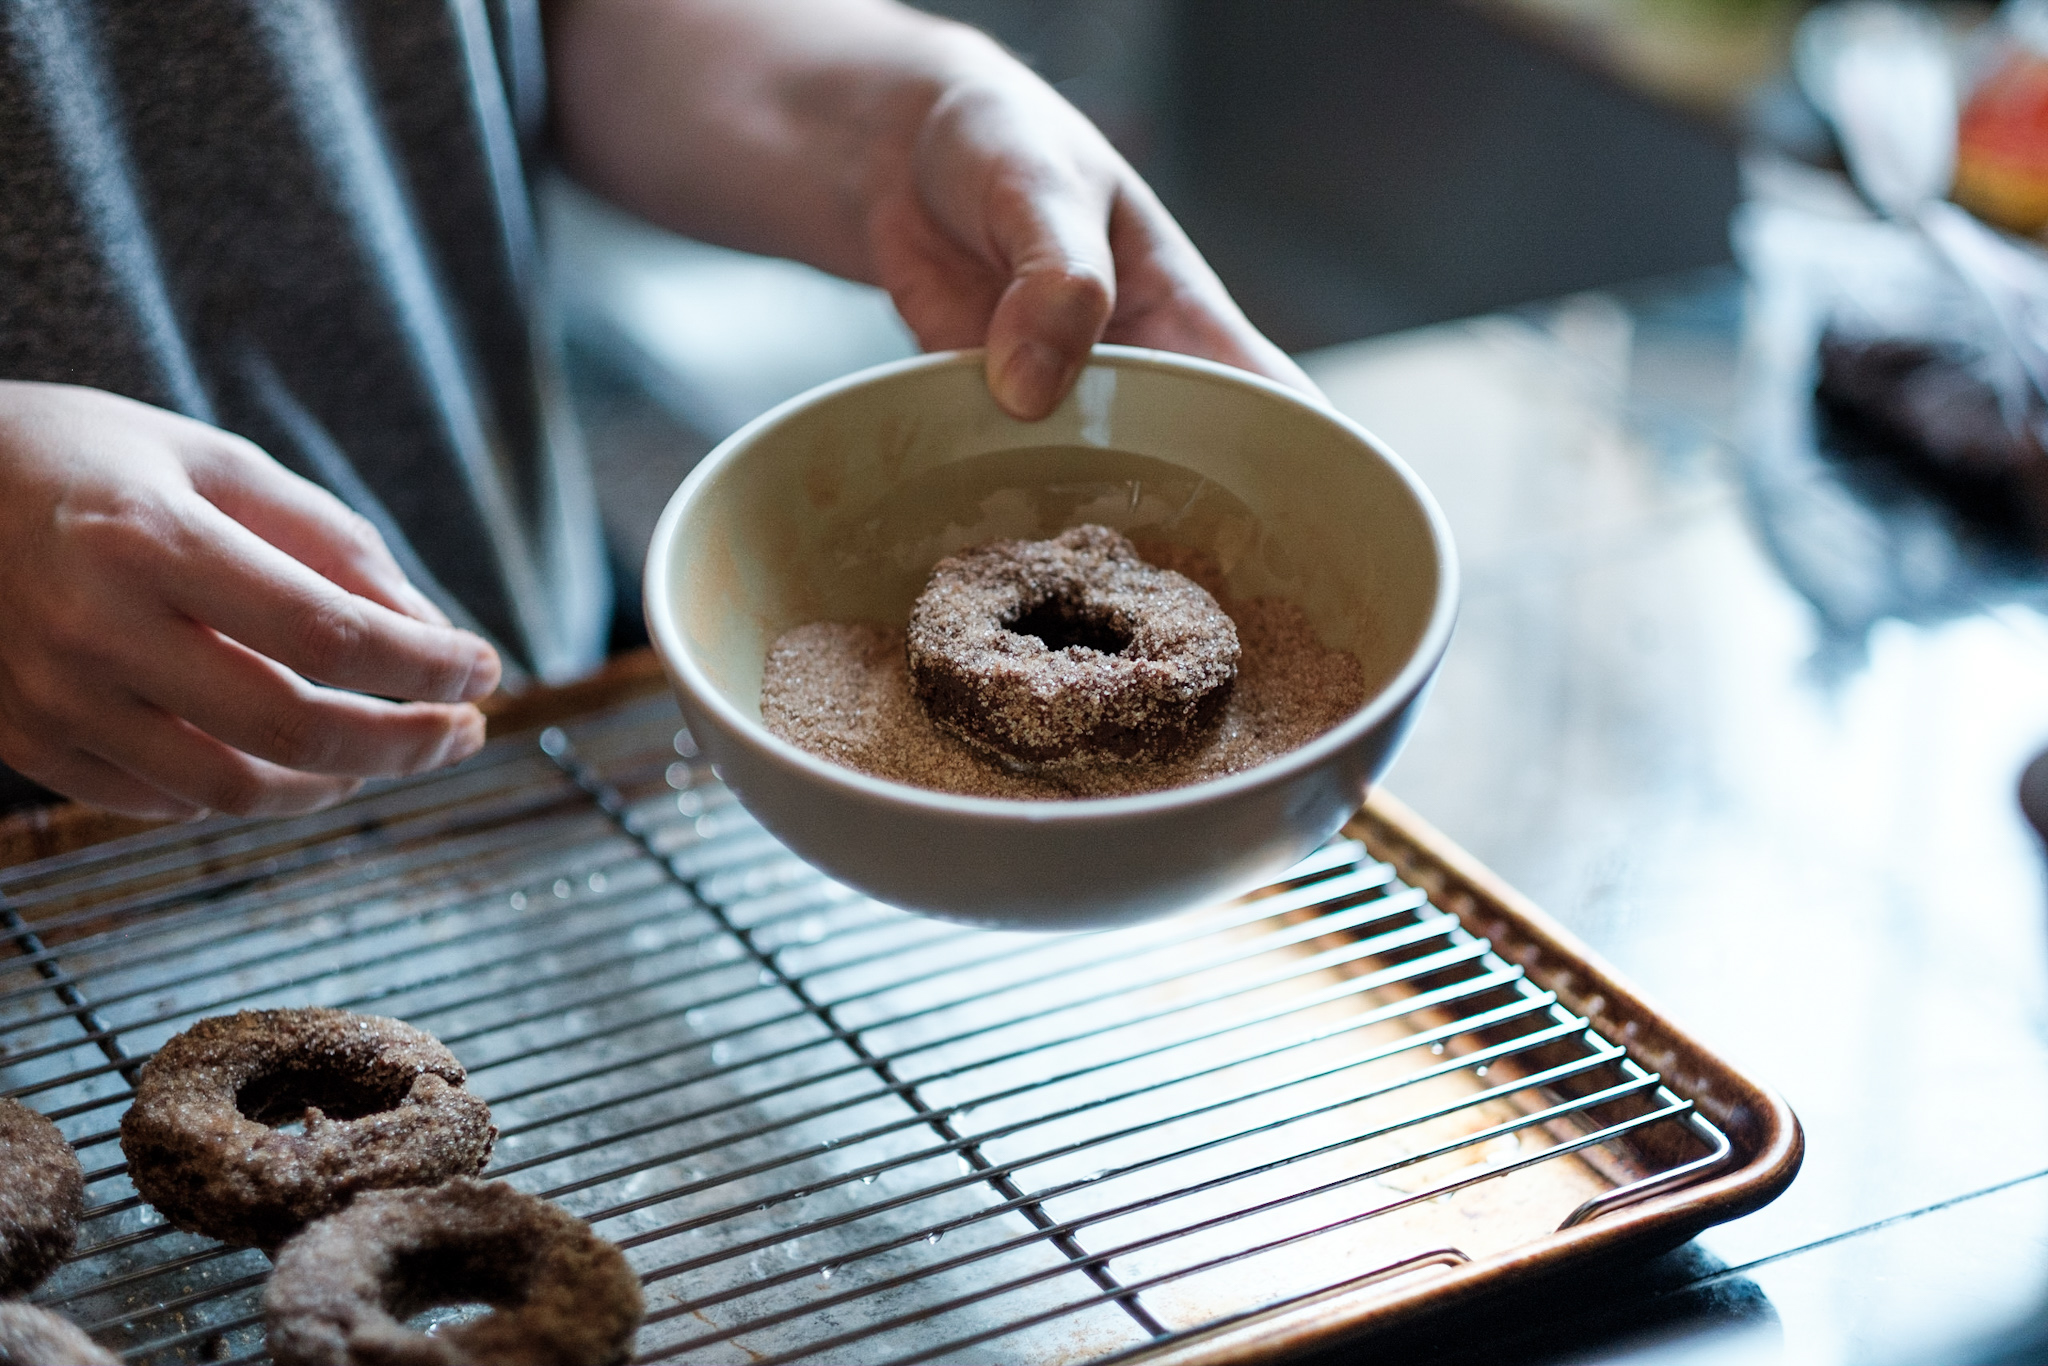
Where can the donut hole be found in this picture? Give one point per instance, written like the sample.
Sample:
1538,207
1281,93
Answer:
280,1098
438,1286
1061,624
440,1318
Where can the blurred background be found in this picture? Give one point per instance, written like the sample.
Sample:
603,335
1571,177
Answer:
1747,487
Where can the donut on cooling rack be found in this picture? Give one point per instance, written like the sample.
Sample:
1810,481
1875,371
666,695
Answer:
36,1337
1069,649
342,1290
42,1193
380,1105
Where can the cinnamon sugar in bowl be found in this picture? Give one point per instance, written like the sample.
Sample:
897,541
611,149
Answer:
834,507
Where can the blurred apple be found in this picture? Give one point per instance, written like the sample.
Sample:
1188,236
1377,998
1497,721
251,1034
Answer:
2002,144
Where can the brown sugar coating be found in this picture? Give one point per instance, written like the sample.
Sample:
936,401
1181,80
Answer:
1069,649
841,690
342,1289
42,1194
381,1105
35,1337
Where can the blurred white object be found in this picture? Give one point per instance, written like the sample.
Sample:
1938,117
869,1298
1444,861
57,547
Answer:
1880,73
717,336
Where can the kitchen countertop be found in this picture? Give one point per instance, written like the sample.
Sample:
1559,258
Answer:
1795,828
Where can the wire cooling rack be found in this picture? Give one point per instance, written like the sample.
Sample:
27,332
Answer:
823,1129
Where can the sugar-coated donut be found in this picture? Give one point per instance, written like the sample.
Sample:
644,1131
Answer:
1072,648
562,1296
35,1337
42,1194
382,1105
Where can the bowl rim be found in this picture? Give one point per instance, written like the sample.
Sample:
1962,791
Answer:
1414,674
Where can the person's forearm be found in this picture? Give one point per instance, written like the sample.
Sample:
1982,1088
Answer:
754,123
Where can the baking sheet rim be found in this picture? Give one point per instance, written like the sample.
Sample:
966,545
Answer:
1769,1144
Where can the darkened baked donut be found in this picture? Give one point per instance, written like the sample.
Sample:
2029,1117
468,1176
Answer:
42,1193
1069,648
382,1106
35,1337
343,1289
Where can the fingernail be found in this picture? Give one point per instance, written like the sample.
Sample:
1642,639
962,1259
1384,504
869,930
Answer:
465,738
1031,381
465,741
333,796
483,675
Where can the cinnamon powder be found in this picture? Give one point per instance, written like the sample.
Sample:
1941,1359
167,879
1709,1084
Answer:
841,690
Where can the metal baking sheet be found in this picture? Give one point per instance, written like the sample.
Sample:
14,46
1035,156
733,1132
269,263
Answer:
827,1130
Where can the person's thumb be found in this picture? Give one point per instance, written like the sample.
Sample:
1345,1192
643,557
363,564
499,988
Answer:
1062,289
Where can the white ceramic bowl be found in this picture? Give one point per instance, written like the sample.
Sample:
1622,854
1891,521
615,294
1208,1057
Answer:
835,506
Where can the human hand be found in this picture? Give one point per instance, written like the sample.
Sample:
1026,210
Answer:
1006,219
172,602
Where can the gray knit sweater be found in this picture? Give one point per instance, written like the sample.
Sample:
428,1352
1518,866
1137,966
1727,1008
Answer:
306,221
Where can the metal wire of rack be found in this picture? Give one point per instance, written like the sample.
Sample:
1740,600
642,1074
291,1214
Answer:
823,1129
